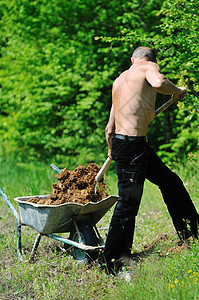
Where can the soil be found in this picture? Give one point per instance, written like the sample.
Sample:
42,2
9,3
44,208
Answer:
177,247
75,186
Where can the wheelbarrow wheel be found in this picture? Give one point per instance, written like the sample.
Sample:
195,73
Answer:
89,238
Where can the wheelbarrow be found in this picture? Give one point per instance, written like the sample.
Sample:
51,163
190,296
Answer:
77,219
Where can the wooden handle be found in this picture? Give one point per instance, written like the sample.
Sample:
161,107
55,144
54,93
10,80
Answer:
103,169
164,106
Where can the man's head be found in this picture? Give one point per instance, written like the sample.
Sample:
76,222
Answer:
144,53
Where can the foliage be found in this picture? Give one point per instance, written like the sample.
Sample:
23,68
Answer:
176,37
56,72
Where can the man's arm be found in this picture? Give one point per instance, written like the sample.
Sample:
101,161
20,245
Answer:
110,130
163,85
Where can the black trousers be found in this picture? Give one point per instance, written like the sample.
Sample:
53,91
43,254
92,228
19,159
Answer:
134,161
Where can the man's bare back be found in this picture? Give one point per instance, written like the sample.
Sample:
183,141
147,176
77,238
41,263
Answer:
134,100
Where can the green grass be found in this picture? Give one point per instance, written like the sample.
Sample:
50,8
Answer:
161,267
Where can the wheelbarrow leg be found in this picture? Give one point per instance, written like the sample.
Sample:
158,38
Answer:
35,246
19,242
18,223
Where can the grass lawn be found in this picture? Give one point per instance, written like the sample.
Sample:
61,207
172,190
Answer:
161,267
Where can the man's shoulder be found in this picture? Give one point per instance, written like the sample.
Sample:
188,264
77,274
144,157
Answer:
152,66
120,77
144,67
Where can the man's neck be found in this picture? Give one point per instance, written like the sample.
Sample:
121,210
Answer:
138,61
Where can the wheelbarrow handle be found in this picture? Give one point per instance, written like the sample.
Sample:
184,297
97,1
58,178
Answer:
55,168
13,210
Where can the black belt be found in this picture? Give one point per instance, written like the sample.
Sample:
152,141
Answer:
130,138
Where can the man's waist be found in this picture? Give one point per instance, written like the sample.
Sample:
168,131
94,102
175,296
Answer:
131,138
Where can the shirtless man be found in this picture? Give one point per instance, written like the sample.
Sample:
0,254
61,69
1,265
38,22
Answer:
133,108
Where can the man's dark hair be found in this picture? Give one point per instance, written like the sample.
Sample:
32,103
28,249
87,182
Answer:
142,52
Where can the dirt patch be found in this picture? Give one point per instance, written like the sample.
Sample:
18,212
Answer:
177,247
158,239
164,245
75,186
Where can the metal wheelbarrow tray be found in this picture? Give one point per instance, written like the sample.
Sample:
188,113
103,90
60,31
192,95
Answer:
78,219
59,218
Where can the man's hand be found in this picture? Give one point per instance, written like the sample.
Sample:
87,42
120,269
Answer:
182,93
109,154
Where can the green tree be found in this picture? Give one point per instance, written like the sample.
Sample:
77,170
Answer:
180,51
56,71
